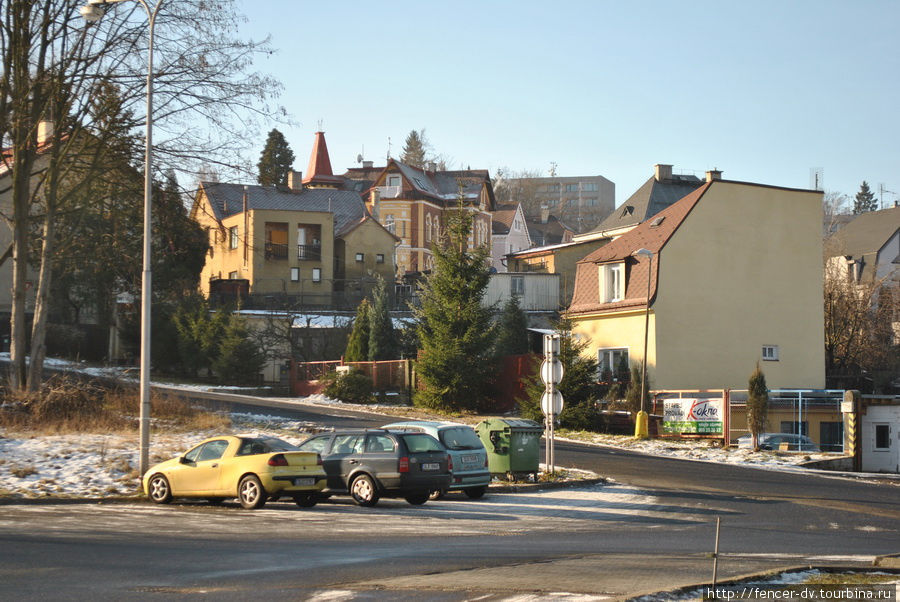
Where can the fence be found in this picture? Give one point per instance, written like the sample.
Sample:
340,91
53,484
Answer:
387,375
815,413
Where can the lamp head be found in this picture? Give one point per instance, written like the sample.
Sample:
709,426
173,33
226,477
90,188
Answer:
91,12
643,253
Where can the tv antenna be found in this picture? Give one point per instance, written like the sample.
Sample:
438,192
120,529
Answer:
816,176
881,191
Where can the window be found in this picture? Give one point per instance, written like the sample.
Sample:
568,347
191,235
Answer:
517,286
831,436
589,186
317,275
393,180
389,224
552,187
379,258
770,353
590,201
316,444
571,187
295,274
611,282
882,437
794,427
379,443
233,275
611,361
212,450
347,444
233,237
360,257
427,228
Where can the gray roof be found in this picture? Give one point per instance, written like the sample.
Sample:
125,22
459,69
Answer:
445,184
228,199
867,233
648,200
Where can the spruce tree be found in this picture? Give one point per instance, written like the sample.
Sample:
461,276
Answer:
358,344
240,358
455,332
381,329
414,149
275,161
512,330
865,200
757,405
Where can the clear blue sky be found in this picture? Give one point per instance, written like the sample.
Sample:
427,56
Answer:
763,90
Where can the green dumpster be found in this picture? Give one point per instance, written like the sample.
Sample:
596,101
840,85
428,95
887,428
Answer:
512,444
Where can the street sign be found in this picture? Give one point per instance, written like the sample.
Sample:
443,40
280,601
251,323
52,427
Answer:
551,372
553,402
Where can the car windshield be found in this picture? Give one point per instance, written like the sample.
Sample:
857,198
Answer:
422,443
264,445
461,437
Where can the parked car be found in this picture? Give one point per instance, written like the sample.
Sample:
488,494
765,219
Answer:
774,441
470,460
250,468
375,463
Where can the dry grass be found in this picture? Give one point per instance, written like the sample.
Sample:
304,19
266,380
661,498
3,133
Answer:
850,579
23,471
65,406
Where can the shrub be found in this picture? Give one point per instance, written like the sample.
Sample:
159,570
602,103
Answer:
352,387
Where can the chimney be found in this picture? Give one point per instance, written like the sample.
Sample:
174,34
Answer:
713,175
368,164
432,166
376,204
663,172
545,214
44,132
295,181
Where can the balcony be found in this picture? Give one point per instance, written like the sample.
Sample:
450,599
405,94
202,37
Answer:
276,251
389,192
308,252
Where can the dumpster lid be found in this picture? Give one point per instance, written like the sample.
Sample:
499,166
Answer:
511,423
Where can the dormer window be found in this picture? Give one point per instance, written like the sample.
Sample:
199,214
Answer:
612,282
393,180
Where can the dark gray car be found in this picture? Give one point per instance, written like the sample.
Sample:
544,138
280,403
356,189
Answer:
375,463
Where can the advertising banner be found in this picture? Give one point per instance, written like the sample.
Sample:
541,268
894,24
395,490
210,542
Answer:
694,416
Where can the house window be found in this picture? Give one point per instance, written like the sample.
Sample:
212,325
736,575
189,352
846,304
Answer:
589,186
517,286
379,258
233,237
233,275
427,228
571,187
393,180
360,257
389,223
317,275
611,282
882,437
770,353
794,427
295,274
612,361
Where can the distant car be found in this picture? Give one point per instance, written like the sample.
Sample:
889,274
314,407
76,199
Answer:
374,463
470,460
250,468
774,441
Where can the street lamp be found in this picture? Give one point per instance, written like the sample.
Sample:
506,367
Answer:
641,422
92,12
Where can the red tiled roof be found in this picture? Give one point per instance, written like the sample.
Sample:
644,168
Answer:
652,235
319,169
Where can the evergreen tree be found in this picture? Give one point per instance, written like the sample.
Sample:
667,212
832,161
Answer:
358,343
865,200
414,149
757,405
633,391
381,329
275,161
239,359
512,331
455,331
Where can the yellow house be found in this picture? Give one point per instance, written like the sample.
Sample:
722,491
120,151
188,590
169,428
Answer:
311,245
561,259
735,278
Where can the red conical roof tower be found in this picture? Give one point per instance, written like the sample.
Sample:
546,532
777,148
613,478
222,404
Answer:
318,173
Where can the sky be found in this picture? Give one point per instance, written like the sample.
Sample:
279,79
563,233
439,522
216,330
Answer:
766,91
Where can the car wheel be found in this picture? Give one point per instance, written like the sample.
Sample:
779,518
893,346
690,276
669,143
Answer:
364,491
215,501
251,493
417,499
475,493
436,494
158,489
305,501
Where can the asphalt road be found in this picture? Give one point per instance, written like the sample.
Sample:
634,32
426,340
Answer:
609,541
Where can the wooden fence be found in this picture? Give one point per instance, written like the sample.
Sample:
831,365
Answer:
387,375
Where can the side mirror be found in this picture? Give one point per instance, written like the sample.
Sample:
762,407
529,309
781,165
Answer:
183,460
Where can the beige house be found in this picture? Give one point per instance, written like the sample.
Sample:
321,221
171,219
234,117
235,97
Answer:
313,246
560,259
735,279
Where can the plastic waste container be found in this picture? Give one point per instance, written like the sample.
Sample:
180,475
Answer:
512,444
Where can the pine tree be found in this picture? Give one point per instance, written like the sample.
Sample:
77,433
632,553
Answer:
381,329
358,343
414,149
512,330
455,331
275,161
633,391
865,200
757,405
240,359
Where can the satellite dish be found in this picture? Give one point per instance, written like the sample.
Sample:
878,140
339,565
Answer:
359,158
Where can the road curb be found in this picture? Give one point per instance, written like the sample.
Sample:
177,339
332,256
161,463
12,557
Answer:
527,487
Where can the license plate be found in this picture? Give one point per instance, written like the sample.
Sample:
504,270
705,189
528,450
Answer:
308,481
470,459
431,466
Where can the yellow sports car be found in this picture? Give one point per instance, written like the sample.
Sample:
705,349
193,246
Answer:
251,468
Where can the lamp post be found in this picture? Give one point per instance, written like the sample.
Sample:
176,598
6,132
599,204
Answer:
641,422
92,12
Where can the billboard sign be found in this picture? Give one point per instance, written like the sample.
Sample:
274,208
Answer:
694,416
